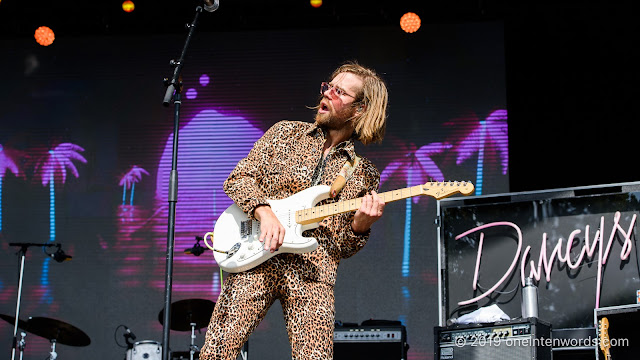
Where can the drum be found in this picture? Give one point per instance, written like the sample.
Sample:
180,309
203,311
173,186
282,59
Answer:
145,350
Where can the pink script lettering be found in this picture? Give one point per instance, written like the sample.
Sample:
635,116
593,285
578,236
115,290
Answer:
546,262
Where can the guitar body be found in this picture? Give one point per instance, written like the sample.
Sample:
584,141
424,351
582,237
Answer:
234,228
237,248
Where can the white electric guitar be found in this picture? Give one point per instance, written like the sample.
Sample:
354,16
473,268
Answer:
237,247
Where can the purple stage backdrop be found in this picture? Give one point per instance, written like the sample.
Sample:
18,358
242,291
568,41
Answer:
85,154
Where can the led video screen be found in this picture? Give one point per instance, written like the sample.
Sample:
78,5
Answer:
85,155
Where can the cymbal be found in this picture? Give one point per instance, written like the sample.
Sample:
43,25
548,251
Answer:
185,312
61,332
11,320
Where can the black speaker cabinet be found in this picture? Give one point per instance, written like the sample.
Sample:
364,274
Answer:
623,332
370,342
506,340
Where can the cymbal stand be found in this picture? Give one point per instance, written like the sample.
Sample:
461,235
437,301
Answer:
23,254
53,355
22,343
193,347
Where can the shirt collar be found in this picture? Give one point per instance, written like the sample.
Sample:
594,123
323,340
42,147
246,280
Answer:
314,129
347,146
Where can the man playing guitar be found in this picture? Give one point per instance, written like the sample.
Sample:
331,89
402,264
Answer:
291,157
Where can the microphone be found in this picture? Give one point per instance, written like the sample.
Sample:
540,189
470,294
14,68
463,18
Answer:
197,249
211,5
59,255
129,334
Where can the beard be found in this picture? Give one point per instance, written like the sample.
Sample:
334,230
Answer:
334,120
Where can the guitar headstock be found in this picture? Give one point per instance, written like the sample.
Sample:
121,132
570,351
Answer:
441,190
603,335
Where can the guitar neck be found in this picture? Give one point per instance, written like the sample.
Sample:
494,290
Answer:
318,213
603,329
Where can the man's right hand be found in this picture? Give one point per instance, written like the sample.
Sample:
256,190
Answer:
271,230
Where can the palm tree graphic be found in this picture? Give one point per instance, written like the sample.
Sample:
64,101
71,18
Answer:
417,167
129,180
7,162
492,129
51,168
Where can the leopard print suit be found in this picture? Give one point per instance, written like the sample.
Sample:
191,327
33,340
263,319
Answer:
282,163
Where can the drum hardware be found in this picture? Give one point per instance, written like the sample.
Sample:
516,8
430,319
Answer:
53,355
58,256
145,350
56,331
129,337
22,343
193,348
189,315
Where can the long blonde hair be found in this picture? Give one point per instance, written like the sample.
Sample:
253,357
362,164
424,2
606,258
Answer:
370,124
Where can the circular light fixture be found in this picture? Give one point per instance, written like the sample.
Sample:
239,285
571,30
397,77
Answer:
128,6
44,36
316,3
410,22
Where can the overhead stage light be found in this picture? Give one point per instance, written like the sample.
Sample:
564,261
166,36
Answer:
128,6
316,3
44,36
410,22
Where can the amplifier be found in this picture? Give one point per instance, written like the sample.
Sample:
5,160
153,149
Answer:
514,339
370,342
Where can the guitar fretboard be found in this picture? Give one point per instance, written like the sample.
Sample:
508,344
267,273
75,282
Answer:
436,189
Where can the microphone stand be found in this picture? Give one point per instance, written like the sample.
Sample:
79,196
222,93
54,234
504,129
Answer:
23,254
174,89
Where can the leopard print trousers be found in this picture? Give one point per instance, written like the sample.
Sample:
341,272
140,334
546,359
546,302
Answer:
308,308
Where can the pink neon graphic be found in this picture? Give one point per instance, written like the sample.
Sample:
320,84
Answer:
7,162
416,166
210,146
192,94
51,168
493,129
204,80
54,165
586,249
547,262
129,180
513,263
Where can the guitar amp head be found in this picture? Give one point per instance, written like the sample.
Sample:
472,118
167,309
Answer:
385,341
515,339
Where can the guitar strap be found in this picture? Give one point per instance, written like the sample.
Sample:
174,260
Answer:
343,175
